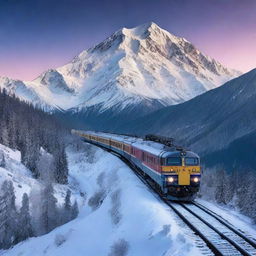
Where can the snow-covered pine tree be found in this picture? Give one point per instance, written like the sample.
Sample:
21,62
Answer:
45,166
220,186
252,208
229,189
243,193
27,129
11,131
61,165
67,207
246,196
74,210
30,151
25,228
4,134
8,216
3,220
49,211
2,161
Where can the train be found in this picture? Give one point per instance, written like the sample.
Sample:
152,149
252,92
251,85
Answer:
173,170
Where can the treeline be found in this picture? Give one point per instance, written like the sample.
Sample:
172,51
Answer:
18,225
236,189
28,129
41,140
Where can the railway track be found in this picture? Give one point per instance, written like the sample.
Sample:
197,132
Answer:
249,239
219,236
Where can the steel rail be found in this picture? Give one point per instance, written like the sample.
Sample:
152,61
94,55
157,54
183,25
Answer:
237,246
208,243
224,222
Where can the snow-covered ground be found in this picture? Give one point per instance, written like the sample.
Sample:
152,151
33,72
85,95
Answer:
16,172
119,216
22,178
235,218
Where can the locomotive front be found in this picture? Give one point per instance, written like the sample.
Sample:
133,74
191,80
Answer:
181,173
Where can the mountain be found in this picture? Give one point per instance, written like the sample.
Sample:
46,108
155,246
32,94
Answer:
25,92
143,68
219,124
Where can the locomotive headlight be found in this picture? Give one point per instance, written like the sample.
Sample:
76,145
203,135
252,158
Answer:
196,179
170,179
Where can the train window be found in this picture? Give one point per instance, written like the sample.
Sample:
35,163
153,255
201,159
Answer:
175,161
191,161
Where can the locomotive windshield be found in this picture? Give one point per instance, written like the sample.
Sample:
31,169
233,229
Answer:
174,161
191,161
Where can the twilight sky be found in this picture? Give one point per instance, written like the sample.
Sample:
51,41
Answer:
39,34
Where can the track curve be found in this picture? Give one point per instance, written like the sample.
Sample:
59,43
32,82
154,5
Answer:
222,240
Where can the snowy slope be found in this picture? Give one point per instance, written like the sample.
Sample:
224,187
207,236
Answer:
142,65
22,178
16,172
120,216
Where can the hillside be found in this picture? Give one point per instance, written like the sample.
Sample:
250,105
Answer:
209,122
120,212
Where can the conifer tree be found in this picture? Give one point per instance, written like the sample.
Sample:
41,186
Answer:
61,166
27,129
74,210
3,162
49,212
67,207
221,186
25,227
8,216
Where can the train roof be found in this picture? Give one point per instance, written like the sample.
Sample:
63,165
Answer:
149,146
152,147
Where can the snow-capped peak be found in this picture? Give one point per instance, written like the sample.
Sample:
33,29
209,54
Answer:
132,66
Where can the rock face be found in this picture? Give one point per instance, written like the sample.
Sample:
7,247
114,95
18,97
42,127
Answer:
144,66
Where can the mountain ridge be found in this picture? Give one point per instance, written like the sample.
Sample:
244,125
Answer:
209,123
133,66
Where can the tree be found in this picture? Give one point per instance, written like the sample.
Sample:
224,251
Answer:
67,207
4,135
221,186
74,211
49,212
243,193
3,161
45,166
61,165
229,191
26,128
246,197
8,216
25,227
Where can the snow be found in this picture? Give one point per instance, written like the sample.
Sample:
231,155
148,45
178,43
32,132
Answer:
235,218
22,178
144,63
119,216
16,172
